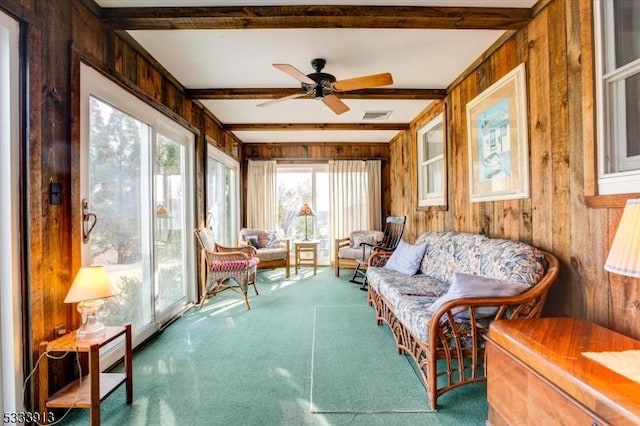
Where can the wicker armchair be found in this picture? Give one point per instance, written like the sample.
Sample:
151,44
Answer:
224,264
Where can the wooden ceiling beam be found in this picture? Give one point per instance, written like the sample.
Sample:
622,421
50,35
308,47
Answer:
309,16
275,93
314,126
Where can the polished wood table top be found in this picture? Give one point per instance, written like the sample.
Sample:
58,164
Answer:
553,347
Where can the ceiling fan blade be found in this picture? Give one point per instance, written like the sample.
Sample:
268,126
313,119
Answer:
275,101
294,72
334,102
364,82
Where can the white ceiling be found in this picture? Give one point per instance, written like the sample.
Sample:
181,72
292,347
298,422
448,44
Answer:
417,59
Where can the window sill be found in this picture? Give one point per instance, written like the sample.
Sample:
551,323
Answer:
609,201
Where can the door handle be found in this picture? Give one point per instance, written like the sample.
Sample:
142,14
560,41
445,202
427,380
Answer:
89,221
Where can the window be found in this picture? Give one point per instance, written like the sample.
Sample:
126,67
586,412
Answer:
617,47
431,163
223,198
10,314
136,169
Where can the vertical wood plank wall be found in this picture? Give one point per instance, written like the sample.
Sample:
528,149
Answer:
557,50
59,34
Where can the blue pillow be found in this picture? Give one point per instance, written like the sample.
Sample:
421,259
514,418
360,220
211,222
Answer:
406,258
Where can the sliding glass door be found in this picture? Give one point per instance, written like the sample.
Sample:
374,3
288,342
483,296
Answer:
136,168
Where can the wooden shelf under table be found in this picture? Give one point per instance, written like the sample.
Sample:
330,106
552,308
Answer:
78,393
92,388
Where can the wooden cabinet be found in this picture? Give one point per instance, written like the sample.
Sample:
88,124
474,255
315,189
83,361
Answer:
536,374
93,387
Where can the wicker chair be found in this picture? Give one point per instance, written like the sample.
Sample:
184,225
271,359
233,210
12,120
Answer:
224,264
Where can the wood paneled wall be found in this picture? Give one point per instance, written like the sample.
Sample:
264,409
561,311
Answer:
60,34
560,215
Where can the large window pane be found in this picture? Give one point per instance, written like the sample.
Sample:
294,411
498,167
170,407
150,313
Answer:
119,240
222,197
627,31
170,225
632,97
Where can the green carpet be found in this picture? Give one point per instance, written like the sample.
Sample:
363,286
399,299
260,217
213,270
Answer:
342,366
224,365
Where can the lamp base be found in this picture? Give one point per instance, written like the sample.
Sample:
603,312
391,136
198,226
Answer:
91,328
97,330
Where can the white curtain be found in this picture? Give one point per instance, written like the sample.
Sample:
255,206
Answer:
262,195
354,194
375,198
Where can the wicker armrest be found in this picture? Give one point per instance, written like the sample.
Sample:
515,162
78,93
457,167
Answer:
248,250
379,258
526,305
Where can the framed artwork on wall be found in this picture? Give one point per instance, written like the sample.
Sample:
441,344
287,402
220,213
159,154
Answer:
498,140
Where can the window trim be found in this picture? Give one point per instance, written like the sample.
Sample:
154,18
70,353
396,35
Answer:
11,326
432,199
608,183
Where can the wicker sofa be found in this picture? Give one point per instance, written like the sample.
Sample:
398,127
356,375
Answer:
272,251
441,327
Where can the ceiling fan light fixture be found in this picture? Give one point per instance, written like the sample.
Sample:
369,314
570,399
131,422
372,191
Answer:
323,86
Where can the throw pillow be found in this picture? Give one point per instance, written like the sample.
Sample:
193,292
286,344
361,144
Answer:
273,241
253,240
406,258
468,285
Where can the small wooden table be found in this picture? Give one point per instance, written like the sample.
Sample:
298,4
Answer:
94,386
310,247
536,374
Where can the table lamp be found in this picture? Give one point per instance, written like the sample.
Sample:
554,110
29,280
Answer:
305,211
90,286
624,255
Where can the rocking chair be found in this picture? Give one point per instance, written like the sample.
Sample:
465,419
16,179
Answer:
227,263
393,230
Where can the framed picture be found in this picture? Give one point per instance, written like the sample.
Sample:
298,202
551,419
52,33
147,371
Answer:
498,143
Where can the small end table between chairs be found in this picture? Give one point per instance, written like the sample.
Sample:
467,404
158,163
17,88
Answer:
306,246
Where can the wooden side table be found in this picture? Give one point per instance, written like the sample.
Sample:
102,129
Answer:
537,374
311,247
93,387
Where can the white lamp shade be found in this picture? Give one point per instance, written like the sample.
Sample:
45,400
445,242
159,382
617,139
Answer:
624,255
91,282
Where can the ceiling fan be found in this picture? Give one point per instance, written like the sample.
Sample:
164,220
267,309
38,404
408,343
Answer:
324,86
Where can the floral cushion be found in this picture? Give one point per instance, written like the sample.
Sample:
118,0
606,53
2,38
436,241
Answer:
448,254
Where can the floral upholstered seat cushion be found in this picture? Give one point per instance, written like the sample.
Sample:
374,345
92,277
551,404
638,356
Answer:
449,254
